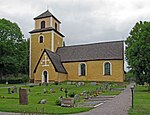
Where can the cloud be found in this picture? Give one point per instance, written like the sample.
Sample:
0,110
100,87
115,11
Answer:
83,21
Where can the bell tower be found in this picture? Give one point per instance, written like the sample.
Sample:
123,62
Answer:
45,35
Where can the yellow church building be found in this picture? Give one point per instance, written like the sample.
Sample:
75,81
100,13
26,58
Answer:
51,61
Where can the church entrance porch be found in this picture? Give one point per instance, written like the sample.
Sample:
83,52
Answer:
44,76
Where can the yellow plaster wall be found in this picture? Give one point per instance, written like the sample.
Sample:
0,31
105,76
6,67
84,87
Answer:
37,48
53,24
61,77
95,71
52,75
38,22
58,41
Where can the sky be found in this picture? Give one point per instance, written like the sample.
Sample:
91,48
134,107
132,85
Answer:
82,21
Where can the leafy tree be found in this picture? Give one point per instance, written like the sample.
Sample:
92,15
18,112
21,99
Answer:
138,51
14,49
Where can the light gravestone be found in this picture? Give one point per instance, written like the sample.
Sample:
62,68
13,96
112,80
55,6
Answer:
77,97
23,97
67,102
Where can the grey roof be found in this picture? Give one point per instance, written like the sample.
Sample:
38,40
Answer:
97,51
55,59
46,29
45,15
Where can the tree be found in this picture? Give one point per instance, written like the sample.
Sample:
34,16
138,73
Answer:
14,49
138,51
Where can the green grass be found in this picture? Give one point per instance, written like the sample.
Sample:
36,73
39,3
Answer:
141,101
10,102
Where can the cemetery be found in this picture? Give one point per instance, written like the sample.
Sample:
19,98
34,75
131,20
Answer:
57,98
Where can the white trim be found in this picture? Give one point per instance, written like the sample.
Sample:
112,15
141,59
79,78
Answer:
47,32
52,41
51,21
79,68
104,67
43,79
98,105
39,38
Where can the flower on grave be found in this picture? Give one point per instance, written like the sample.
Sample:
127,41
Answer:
61,89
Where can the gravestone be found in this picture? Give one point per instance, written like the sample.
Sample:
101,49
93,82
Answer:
77,97
84,93
23,97
69,83
42,101
73,83
67,102
9,90
15,89
93,83
44,90
80,84
52,91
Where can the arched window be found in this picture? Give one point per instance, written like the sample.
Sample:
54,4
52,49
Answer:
42,24
82,69
41,39
107,68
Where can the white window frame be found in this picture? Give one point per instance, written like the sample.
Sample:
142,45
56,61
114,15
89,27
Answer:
43,79
39,38
79,68
104,68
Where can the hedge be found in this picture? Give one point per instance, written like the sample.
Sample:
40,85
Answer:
12,81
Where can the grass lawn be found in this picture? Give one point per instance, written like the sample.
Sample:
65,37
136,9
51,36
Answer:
141,101
10,102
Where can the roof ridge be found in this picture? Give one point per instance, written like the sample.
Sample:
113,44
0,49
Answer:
45,14
92,44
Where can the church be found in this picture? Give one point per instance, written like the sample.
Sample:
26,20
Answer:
51,61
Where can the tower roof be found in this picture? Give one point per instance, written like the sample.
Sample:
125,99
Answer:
45,15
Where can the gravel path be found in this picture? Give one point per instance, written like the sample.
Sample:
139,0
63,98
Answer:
117,106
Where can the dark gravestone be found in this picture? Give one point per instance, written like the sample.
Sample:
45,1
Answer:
67,102
23,97
9,90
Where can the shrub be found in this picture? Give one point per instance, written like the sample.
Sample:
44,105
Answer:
72,94
58,102
56,83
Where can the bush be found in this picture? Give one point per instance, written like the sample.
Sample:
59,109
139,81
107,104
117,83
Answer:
13,80
56,83
72,94
58,102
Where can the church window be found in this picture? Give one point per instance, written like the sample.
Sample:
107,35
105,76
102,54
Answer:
82,69
56,26
41,39
42,24
107,68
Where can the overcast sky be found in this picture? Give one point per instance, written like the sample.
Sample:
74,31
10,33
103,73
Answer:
83,21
